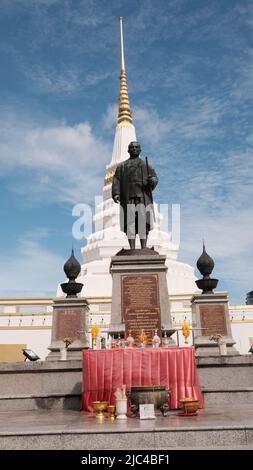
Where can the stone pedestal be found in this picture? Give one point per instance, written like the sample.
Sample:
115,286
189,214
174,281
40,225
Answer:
139,294
210,316
70,320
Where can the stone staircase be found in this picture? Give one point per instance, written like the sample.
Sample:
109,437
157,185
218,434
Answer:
226,380
58,385
40,385
42,400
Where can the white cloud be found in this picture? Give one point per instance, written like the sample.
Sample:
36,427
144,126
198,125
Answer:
49,80
85,13
30,3
110,117
33,269
65,162
150,125
200,117
197,118
246,12
217,207
242,89
62,80
228,239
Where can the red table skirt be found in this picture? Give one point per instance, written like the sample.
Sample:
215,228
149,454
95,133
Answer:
106,370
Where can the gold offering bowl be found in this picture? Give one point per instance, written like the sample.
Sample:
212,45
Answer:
189,405
100,407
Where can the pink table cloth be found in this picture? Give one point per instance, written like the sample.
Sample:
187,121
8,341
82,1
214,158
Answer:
106,370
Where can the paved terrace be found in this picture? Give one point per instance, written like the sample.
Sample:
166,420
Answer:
216,427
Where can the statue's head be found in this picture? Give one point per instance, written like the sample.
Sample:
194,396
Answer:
134,149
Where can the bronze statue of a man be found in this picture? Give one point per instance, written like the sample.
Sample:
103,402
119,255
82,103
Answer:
132,186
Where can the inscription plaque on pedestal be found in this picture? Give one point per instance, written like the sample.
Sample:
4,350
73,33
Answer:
68,324
213,318
140,304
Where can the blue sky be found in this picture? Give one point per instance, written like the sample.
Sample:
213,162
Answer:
190,75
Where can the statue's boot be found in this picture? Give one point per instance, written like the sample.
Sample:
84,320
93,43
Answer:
143,243
131,242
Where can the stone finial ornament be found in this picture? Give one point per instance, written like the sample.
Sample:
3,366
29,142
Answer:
72,269
205,265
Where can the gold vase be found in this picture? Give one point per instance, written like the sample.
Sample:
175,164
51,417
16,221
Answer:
112,411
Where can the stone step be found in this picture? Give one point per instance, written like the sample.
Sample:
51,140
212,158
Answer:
229,395
65,377
40,402
202,439
72,401
213,428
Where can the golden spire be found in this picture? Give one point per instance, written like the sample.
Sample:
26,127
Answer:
124,115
